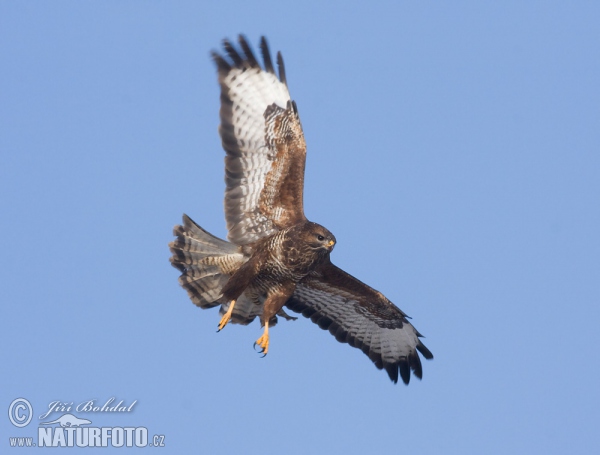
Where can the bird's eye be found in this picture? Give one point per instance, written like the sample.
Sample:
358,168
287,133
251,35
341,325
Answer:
320,238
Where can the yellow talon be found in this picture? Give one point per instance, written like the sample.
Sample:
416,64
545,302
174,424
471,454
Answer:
263,341
226,317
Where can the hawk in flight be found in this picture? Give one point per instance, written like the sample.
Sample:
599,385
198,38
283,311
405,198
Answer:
275,257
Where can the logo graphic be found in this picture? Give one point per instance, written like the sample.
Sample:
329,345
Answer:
20,412
68,420
69,430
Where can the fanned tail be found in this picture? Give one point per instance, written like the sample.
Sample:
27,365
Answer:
205,262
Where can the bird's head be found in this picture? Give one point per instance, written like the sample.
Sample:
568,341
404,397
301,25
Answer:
318,237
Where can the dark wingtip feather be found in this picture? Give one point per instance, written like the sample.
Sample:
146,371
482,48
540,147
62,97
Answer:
415,364
404,371
423,350
392,371
281,67
232,52
266,54
222,64
248,52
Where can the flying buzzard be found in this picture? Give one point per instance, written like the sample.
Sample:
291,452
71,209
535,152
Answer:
275,257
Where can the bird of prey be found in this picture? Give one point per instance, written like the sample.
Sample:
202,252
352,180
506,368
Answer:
275,258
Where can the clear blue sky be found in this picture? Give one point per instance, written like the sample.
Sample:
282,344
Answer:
453,149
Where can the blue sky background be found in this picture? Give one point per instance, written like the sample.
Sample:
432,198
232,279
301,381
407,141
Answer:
453,149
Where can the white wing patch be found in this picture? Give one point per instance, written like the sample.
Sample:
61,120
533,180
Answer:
246,92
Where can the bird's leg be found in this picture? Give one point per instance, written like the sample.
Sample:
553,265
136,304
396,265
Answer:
273,304
236,285
263,341
227,316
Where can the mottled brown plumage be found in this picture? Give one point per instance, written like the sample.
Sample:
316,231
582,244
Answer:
277,263
277,257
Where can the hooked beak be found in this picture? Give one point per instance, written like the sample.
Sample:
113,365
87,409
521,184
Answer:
330,245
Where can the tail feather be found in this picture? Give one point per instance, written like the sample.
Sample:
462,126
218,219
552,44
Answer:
206,292
192,238
206,262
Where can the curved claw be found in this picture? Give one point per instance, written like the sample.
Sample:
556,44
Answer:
262,350
263,342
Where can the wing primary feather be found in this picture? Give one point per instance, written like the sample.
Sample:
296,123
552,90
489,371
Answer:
233,53
404,370
266,54
415,364
423,350
392,371
222,65
281,67
248,52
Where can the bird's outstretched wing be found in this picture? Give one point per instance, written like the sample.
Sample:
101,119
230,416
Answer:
362,317
262,135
